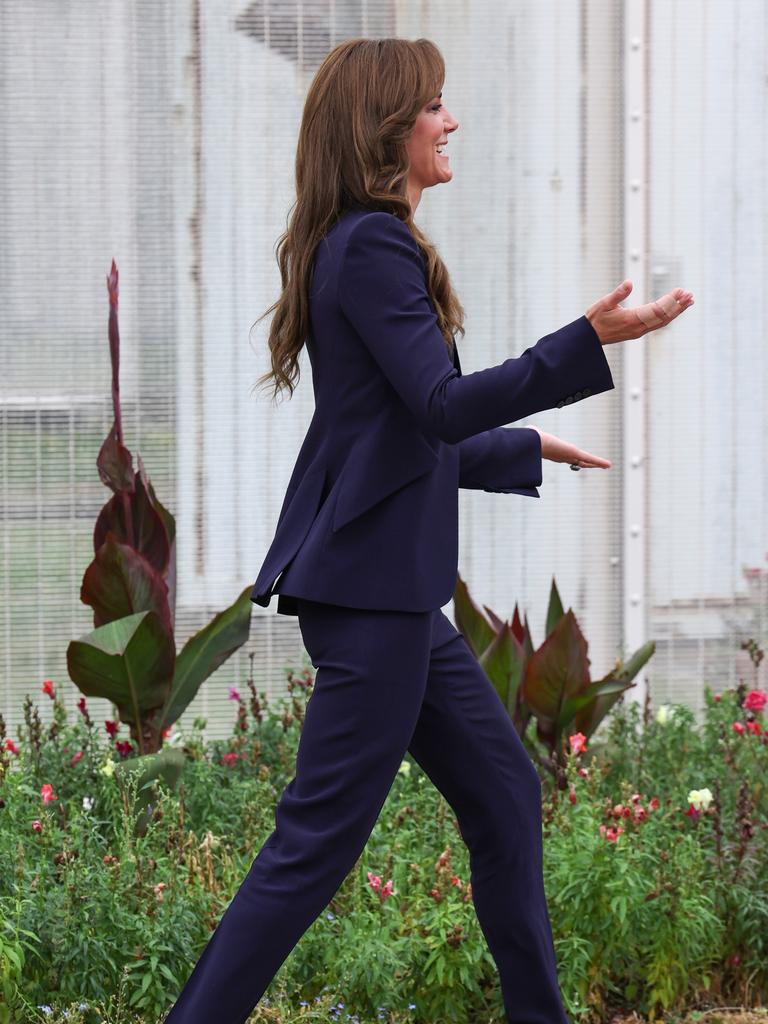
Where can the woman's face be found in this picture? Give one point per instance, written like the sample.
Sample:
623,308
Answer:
428,167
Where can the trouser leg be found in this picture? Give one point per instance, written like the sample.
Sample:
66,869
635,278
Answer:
370,680
465,741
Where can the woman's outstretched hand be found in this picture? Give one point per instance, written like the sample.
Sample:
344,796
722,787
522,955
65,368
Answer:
557,450
613,323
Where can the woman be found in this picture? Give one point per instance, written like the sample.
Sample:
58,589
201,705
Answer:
365,551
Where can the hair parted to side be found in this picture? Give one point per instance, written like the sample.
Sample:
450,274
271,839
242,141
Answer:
359,111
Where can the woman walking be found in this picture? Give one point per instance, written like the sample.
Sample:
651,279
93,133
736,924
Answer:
366,547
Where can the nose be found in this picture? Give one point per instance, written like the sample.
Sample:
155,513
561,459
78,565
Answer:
451,127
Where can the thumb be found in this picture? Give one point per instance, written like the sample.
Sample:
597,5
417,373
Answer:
619,294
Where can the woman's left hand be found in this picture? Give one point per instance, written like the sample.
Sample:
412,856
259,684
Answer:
557,450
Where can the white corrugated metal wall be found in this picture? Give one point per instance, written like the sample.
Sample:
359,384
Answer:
598,140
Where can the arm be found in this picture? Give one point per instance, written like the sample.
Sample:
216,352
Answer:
382,291
506,459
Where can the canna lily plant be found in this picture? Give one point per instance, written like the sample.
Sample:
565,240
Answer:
130,657
551,683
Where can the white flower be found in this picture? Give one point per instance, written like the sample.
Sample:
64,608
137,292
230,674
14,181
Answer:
665,712
700,798
405,768
87,803
108,768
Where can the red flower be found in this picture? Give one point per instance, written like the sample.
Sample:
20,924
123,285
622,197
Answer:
692,812
578,742
37,825
81,706
76,758
10,745
46,792
755,700
124,748
738,727
166,732
111,727
754,727
48,688
572,794
654,803
230,758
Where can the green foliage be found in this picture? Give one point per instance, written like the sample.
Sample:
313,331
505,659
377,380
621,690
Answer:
550,684
656,906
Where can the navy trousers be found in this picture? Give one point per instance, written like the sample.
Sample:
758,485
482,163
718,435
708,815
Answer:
388,682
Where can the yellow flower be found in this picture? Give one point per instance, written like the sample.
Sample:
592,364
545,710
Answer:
108,768
405,768
664,714
700,798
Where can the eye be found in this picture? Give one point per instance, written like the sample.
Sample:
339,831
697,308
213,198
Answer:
437,106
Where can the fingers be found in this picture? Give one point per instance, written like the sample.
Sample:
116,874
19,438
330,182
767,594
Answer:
662,311
588,461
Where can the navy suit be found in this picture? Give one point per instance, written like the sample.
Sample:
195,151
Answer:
370,516
365,553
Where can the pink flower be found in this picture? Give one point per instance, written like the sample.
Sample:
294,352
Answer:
654,803
583,772
230,758
387,890
572,794
76,758
738,727
718,697
578,742
48,688
37,825
375,881
46,792
755,700
111,727
233,694
10,745
611,834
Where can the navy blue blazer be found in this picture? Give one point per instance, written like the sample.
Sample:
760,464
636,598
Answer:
370,514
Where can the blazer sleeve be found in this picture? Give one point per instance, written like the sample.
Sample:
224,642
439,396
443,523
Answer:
382,290
505,460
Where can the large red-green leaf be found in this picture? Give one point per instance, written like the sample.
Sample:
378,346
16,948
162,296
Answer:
135,521
503,661
554,609
470,620
170,527
120,581
204,652
559,669
129,661
115,463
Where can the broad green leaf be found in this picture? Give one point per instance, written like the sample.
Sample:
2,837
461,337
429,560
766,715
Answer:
204,652
129,661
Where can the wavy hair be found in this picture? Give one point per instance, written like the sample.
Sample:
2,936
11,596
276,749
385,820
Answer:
360,109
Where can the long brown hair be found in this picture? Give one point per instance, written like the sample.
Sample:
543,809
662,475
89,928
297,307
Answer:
358,114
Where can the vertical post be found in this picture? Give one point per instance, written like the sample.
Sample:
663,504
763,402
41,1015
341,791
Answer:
636,181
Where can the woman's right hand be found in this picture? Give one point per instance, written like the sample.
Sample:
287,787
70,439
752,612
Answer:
613,323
